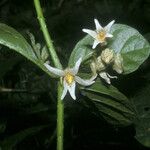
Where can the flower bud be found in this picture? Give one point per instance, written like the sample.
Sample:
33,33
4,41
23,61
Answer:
93,67
97,65
100,65
118,63
107,56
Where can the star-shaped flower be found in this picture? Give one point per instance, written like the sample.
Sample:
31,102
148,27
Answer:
100,34
69,78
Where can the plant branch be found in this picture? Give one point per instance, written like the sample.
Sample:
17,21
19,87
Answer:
56,61
60,119
46,34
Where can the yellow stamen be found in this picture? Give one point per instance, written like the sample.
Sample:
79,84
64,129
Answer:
69,78
101,35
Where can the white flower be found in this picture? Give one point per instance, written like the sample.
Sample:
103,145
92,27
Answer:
100,34
70,78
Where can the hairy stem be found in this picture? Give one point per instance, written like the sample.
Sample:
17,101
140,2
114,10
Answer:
60,119
46,34
56,61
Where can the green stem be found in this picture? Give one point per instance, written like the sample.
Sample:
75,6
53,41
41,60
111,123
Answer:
55,59
47,37
60,119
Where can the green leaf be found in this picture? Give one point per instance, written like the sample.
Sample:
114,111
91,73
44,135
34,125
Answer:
109,103
14,40
132,46
10,142
142,123
127,41
82,49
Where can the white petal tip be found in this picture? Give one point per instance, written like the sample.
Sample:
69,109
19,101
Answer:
109,35
84,30
73,96
90,83
95,19
62,97
95,44
77,65
119,71
93,82
112,22
80,59
108,27
93,47
113,77
46,65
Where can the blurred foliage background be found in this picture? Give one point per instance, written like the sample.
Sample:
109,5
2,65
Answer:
28,96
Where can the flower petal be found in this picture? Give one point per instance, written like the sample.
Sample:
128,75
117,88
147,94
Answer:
64,90
85,82
96,42
55,71
109,35
71,90
97,24
90,32
108,27
105,77
112,77
75,69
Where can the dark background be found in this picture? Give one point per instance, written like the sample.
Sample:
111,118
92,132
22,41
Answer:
34,102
